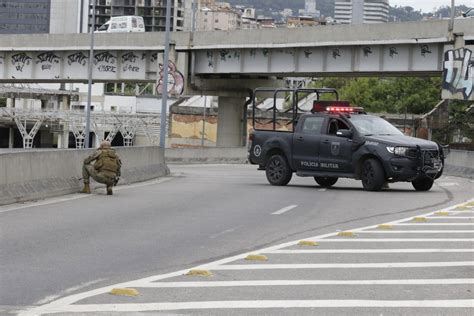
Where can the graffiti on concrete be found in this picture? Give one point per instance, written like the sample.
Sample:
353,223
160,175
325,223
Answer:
367,51
47,59
336,53
458,73
20,60
223,53
393,51
307,53
175,80
425,49
129,62
210,59
77,58
105,62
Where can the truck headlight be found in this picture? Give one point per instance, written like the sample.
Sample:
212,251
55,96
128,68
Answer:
399,150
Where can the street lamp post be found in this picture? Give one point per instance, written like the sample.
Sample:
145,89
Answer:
164,96
89,88
451,21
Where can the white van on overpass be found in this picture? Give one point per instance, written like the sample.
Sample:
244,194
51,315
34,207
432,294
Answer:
123,24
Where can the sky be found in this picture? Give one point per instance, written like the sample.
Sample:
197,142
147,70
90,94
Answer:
428,5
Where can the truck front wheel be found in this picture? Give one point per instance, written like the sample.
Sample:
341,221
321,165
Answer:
373,176
422,184
278,171
325,181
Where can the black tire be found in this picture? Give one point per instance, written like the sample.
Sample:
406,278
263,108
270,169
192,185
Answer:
278,170
422,184
373,175
325,181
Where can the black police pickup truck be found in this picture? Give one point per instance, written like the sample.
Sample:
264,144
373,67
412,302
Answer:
336,141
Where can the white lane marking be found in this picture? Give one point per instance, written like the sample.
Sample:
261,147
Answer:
316,251
394,239
75,196
284,210
322,190
149,307
227,231
382,265
66,302
67,291
305,282
413,231
448,184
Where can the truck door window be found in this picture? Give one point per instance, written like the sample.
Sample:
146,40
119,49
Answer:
313,125
335,125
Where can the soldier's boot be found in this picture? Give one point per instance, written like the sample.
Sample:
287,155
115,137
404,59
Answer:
86,189
109,190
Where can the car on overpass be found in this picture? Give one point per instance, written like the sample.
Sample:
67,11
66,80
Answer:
336,140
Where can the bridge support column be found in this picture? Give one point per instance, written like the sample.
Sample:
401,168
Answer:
230,127
11,137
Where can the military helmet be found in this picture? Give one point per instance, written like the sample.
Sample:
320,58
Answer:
105,144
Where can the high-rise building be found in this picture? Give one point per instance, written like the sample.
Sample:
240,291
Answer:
152,11
24,16
361,11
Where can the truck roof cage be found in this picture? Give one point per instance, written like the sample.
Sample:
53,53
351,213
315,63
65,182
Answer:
293,96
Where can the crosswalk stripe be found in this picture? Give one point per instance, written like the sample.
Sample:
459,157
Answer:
303,251
343,265
147,307
304,282
397,240
434,224
413,231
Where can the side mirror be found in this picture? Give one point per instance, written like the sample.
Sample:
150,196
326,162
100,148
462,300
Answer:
346,133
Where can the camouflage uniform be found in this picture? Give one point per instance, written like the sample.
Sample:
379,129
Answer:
105,169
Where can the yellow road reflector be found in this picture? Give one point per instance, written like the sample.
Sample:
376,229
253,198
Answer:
385,226
308,243
441,213
257,257
197,272
346,234
124,292
420,219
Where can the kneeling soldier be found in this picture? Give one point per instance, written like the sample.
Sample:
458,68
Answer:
106,168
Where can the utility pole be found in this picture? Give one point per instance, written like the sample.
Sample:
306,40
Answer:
89,88
451,21
164,96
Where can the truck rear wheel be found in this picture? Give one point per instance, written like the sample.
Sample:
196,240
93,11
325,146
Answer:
422,184
325,181
278,170
373,176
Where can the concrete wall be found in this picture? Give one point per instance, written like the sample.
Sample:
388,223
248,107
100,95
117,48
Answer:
206,155
460,163
30,175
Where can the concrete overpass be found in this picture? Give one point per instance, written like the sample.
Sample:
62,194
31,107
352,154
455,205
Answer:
248,59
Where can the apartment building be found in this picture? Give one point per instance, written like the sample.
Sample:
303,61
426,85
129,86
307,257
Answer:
39,16
152,11
218,18
361,11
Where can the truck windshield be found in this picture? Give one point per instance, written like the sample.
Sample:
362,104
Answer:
372,125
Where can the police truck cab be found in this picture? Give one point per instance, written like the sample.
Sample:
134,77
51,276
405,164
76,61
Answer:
335,140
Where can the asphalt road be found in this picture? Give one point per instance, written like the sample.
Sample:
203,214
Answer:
205,213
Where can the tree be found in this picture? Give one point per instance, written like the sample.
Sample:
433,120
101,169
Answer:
390,95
